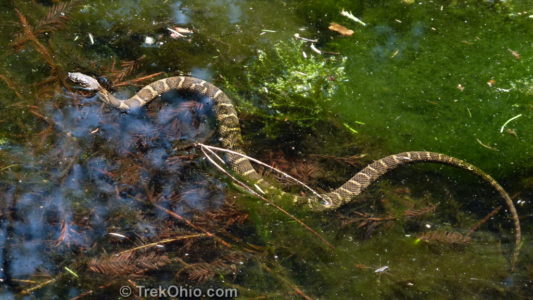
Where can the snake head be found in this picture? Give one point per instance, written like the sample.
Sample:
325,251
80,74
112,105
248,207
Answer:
86,82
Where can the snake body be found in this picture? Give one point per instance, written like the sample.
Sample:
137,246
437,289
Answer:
230,137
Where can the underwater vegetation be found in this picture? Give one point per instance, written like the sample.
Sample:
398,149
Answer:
288,85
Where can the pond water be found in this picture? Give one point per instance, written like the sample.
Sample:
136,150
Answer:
95,202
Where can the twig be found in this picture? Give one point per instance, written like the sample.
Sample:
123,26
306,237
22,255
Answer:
165,241
487,146
297,36
315,49
90,292
484,220
264,165
36,287
8,167
128,82
261,196
54,20
508,121
31,36
41,116
287,282
190,224
11,85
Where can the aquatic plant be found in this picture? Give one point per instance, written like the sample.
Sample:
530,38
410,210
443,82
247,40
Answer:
288,83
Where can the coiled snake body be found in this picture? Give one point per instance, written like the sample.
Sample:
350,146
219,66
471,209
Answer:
230,137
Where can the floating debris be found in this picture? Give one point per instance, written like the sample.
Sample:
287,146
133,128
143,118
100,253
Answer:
71,272
297,36
179,32
460,87
340,29
514,53
511,132
117,235
350,16
263,31
486,146
503,90
315,49
148,40
382,269
352,130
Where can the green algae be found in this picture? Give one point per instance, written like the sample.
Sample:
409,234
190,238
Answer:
424,84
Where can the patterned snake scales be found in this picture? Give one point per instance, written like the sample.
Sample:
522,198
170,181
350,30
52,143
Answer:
230,136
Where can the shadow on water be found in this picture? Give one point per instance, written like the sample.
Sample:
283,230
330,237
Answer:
94,186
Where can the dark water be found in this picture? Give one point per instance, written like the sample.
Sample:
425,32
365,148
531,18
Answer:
93,199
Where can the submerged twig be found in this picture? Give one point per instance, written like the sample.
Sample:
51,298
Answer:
38,286
286,282
136,80
189,223
55,19
297,36
509,121
487,146
484,220
12,86
165,241
264,165
253,192
38,45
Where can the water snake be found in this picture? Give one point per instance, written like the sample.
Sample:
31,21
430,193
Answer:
230,138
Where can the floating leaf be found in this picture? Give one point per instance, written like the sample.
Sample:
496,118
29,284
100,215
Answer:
340,29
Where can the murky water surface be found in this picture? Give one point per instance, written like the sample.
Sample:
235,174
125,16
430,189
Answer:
95,202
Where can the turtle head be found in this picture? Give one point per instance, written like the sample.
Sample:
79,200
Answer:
86,82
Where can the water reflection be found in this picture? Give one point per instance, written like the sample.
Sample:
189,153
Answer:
181,14
100,170
393,43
